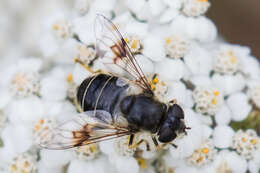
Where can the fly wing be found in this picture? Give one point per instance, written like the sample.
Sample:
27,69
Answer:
111,47
86,128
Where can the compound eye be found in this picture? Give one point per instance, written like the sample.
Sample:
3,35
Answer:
176,111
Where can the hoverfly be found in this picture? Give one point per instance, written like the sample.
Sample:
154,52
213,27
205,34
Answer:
109,108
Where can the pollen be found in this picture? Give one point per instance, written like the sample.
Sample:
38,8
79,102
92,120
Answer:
153,87
55,27
168,40
254,141
216,93
199,160
155,80
69,78
205,150
13,168
134,44
141,162
37,127
243,140
214,101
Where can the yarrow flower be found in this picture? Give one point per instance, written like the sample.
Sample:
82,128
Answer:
42,128
87,152
179,53
195,7
23,163
62,28
24,84
246,143
176,46
203,155
207,100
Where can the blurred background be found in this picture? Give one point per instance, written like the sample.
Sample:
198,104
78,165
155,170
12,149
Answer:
238,22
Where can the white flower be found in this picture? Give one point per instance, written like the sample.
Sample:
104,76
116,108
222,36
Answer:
207,100
246,143
62,28
239,106
195,7
203,155
82,6
24,84
134,43
86,54
176,46
21,79
87,152
226,61
41,128
22,163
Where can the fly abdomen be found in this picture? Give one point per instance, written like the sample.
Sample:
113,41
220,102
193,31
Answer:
102,92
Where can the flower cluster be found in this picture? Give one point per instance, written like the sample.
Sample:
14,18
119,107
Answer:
216,84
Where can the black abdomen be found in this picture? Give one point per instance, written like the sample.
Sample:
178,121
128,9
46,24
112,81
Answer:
101,91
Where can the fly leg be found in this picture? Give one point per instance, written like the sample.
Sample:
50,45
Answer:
159,147
76,60
139,143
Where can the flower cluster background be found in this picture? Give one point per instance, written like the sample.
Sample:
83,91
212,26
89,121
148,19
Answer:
178,47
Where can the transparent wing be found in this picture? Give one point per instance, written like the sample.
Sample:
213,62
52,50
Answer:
111,46
86,128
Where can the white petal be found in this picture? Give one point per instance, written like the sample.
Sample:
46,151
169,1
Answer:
154,48
201,80
229,83
170,69
236,163
239,106
5,97
156,7
55,158
253,167
18,137
223,116
25,110
126,164
253,63
145,64
198,60
222,136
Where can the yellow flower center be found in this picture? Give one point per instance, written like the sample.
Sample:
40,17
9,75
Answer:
168,40
69,78
155,80
244,139
205,150
214,101
55,27
216,93
134,44
254,141
13,168
199,159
